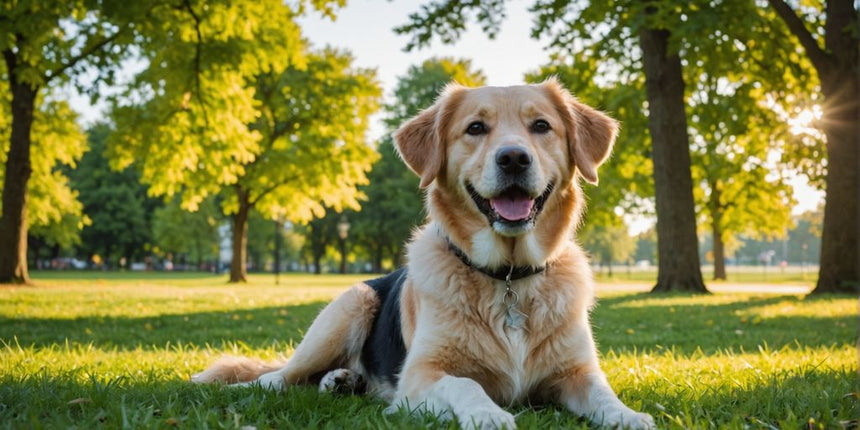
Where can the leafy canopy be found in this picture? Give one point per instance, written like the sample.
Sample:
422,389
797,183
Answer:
54,212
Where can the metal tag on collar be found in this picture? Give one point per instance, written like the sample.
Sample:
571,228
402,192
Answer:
513,317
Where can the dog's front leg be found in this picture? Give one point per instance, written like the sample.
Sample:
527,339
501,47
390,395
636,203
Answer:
443,395
586,392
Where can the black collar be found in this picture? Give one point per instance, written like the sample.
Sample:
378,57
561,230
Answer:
515,272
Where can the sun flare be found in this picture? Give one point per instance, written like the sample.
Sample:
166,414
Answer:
804,121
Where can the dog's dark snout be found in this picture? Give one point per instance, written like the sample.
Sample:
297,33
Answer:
513,160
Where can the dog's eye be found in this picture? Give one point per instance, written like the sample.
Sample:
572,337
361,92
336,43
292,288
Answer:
540,126
476,128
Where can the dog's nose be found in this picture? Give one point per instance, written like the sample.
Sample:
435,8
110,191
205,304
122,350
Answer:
513,160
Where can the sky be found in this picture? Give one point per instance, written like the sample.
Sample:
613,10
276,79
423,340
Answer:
365,28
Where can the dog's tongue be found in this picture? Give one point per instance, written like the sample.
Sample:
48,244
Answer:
513,208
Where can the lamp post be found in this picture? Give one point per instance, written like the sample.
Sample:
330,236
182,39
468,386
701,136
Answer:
342,232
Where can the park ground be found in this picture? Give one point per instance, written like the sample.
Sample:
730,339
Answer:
85,349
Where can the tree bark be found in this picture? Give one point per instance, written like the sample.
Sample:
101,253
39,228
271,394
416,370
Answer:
839,267
317,263
717,231
719,253
677,243
13,221
238,263
838,67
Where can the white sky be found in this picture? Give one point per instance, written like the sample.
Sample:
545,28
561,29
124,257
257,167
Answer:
365,28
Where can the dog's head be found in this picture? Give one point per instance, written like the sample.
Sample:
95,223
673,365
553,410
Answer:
505,153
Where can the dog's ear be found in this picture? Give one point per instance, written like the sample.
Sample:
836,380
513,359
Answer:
590,133
421,140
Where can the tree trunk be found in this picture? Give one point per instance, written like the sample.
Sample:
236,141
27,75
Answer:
377,258
677,244
839,73
13,222
716,208
35,246
839,270
317,259
238,264
719,253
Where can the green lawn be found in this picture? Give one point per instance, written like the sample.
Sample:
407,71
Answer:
115,350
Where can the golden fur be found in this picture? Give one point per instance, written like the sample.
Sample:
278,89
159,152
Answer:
462,359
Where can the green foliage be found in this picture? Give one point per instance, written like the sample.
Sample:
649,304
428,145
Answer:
115,201
60,40
740,173
608,243
394,205
801,245
419,87
104,350
184,118
191,236
646,246
54,213
447,19
313,121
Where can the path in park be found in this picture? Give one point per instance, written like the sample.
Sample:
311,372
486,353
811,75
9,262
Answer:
728,287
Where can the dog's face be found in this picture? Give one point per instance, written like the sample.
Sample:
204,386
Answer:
507,152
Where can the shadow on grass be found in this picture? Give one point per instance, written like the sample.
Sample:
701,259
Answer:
255,327
782,400
645,322
642,322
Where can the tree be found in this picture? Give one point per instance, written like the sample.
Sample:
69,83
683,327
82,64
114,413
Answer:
614,30
115,201
609,242
804,240
300,146
395,206
320,233
646,246
190,46
54,216
45,43
742,190
837,65
190,236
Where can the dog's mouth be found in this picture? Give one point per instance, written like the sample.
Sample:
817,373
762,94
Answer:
512,207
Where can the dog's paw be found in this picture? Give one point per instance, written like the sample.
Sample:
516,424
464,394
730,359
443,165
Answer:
342,381
628,419
487,418
199,378
271,381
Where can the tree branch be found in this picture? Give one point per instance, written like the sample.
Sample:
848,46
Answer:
197,55
82,55
268,190
819,58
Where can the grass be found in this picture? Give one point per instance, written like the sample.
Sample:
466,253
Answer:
86,350
791,275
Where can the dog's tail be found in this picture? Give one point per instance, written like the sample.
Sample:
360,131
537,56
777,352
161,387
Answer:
230,370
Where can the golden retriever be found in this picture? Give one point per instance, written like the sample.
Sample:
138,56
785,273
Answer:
492,307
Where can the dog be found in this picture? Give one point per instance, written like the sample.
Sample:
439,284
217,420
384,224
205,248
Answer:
493,305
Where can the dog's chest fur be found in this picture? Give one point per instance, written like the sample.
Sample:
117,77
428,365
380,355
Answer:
518,360
509,363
